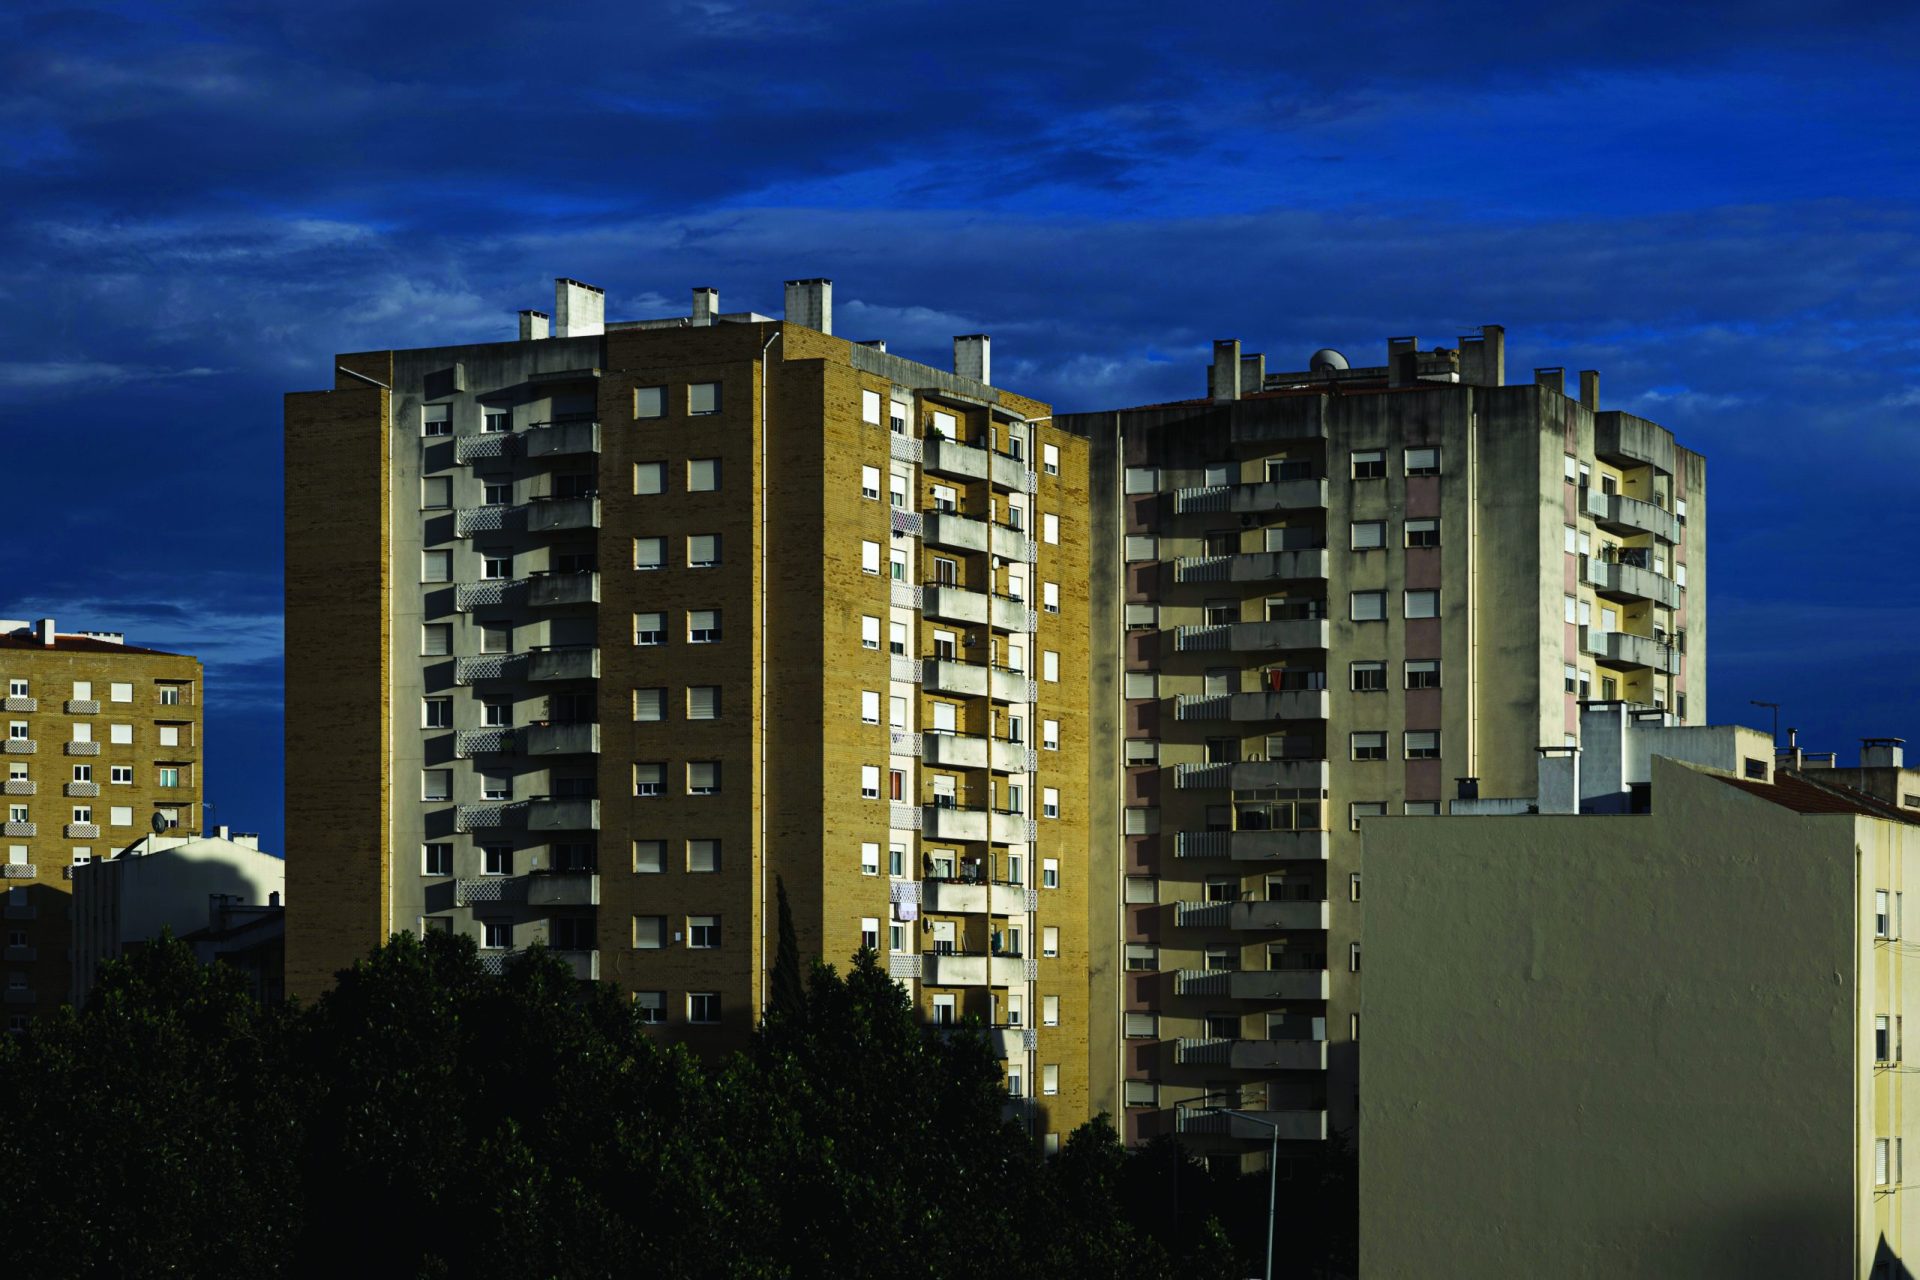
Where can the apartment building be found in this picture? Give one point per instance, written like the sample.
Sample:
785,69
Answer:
102,746
1322,596
594,634
1644,1018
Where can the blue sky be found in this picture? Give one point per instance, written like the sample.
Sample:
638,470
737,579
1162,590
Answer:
1715,205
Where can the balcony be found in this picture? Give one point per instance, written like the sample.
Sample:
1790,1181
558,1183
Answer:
1012,473
82,789
976,680
972,969
1287,704
551,590
560,739
82,831
549,814
1253,566
1254,846
959,751
1627,441
955,604
562,515
952,822
1253,1055
488,890
27,787
83,706
1618,580
489,666
1289,1126
21,747
1253,775
19,828
501,816
1010,614
484,447
1009,543
963,897
1254,984
20,702
83,748
563,889
1253,637
1259,496
19,871
1258,917
1624,649
474,521
575,662
490,592
958,532
951,458
1631,516
482,742
560,439
584,964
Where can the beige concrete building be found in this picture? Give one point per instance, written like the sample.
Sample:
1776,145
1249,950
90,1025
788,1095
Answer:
1320,596
593,634
1656,1028
102,746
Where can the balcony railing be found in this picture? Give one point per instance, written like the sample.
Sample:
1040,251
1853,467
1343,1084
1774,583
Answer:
83,706
560,739
1250,775
580,662
960,751
562,515
1632,516
563,889
482,742
25,787
977,679
473,521
82,789
1620,581
953,822
962,897
82,831
1260,917
21,747
972,969
1253,566
489,666
553,814
1291,1126
1252,1055
556,439
20,828
1287,704
1624,649
83,748
1253,637
550,590
20,702
1254,846
468,596
1254,984
1259,496
584,965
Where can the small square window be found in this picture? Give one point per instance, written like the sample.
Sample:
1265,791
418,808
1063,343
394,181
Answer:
436,639
496,935
703,550
1423,533
649,628
436,492
496,860
1368,535
436,420
870,858
436,784
649,704
1369,677
1050,459
650,1007
1369,464
703,626
703,702
649,553
869,557
436,566
702,398
649,856
649,477
496,637
649,779
703,1007
870,483
120,775
1423,462
436,713
1422,744
1423,604
1370,746
703,777
649,933
436,859
496,786
703,475
869,632
496,494
1368,606
703,855
649,402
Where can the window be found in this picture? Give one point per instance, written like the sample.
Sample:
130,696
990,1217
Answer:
703,933
649,856
496,860
1049,941
703,626
1368,606
1369,464
1353,957
1369,746
1050,596
1050,735
436,566
1679,575
1049,1078
703,475
1423,533
703,702
649,477
496,935
1049,666
649,553
870,483
897,785
649,704
897,564
436,784
649,933
703,550
870,407
1423,744
1369,677
1049,873
1880,896
436,639
869,632
897,492
436,713
1049,802
869,706
1423,604
896,860
649,402
1049,528
869,557
649,779
870,858
494,494
703,777
496,786
120,815
649,628
1882,1032
703,1007
702,398
18,689
496,715
650,1006
1881,1173
436,492
169,775
1050,459
436,859
1422,462
81,733
1368,535
1570,678
496,637
17,730
436,420
869,782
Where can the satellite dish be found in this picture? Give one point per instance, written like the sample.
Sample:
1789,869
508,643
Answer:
159,823
1326,358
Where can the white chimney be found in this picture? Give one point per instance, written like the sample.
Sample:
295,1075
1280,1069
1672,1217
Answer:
973,357
579,310
45,629
810,304
1883,753
533,325
706,306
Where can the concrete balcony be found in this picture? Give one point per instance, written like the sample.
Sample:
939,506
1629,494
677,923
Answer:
563,889
483,667
1625,650
562,515
563,815
1011,473
476,521
82,748
82,789
19,828
561,439
951,458
469,743
961,897
1009,614
560,740
1254,846
19,702
1286,704
944,822
21,747
976,680
27,787
1254,984
1252,775
1011,544
1253,637
579,662
1627,441
958,969
1628,582
83,706
1630,516
1289,1126
584,964
1252,917
82,831
552,590
956,604
958,751
1253,566
955,531
1259,496
1253,1055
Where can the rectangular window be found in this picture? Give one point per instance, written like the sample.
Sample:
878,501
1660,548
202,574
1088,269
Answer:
1882,1032
649,628
703,932
496,786
1881,1171
436,784
1049,1078
649,402
703,550
1423,462
1049,666
120,815
1368,535
169,734
494,494
436,492
495,422
649,553
436,566
436,420
1050,597
1369,677
649,477
649,856
870,407
650,1006
1570,678
870,483
1369,464
649,704
703,1007
1049,873
869,706
120,774
1370,746
436,713
1423,604
1423,533
1049,941
703,777
1881,897
436,639
496,935
496,637
869,632
703,475
869,557
1050,735
436,859
702,398
1368,606
1422,744
870,858
169,775
703,626
703,702
1049,802
649,933
1050,459
1353,957
1049,528
496,565
649,779
897,492
496,860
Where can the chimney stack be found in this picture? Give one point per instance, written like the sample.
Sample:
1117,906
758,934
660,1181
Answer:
44,628
1253,374
1483,358
810,304
706,306
973,357
1883,753
533,325
1554,380
1223,379
579,310
1403,361
1590,389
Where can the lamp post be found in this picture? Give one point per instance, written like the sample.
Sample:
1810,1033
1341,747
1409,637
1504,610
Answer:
1273,1169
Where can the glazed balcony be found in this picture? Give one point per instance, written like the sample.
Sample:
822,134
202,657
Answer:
1289,1126
1620,580
1251,775
561,439
1630,516
1252,917
1253,637
968,897
1254,984
1286,704
1253,566
1252,1055
1254,846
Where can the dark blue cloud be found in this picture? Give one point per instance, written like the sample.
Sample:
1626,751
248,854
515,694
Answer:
1715,205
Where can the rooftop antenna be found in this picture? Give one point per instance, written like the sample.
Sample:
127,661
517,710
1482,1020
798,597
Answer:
1776,718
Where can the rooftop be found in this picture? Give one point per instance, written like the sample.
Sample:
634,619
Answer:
1802,795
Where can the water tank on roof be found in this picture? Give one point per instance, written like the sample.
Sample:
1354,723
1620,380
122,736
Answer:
1327,358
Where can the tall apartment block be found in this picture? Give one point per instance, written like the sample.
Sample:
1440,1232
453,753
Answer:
595,634
1324,595
102,747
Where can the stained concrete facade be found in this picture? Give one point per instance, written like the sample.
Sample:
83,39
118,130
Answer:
1324,595
623,625
1655,1044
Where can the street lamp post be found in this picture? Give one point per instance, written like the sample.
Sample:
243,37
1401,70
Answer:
1273,1169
